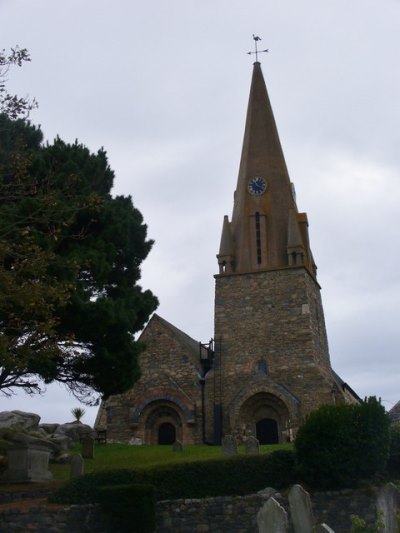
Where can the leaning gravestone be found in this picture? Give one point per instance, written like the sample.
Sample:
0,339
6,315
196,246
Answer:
301,510
229,445
87,445
387,504
77,466
27,462
272,518
251,446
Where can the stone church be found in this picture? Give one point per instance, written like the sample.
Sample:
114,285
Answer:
268,364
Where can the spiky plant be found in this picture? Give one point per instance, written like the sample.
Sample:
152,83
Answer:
78,413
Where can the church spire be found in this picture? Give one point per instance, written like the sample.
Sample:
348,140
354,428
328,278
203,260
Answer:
266,231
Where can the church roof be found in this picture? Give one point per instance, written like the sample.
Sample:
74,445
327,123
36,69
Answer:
394,412
345,386
191,345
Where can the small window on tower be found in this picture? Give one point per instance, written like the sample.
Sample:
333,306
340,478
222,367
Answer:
262,367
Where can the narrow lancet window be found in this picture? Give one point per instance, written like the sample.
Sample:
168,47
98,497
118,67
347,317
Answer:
258,239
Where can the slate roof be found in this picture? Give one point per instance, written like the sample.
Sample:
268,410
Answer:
394,412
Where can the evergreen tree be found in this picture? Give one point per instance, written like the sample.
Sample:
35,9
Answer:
70,256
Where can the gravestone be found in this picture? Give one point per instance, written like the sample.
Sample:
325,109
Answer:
267,492
322,528
177,446
77,466
301,510
272,518
87,446
251,446
387,505
229,445
27,462
135,441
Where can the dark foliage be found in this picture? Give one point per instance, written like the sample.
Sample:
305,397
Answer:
70,256
393,466
339,445
235,476
131,508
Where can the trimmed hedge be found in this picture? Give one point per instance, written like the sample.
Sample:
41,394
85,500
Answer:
339,445
234,476
131,508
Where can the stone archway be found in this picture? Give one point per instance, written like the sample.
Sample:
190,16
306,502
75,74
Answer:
265,416
163,423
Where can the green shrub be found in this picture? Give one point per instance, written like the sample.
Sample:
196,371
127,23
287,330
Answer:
359,525
372,426
338,445
236,475
394,450
131,508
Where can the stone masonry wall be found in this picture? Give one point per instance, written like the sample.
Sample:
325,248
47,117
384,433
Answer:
275,316
169,380
210,515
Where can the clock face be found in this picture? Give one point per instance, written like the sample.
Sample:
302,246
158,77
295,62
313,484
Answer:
257,186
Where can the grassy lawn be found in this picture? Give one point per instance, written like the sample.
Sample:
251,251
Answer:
113,456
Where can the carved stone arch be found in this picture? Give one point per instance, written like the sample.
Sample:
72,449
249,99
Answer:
263,404
166,397
159,418
163,423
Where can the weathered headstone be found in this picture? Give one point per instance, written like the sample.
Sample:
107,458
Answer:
87,445
272,518
267,492
135,441
177,446
27,462
322,528
77,466
387,505
251,446
301,510
229,445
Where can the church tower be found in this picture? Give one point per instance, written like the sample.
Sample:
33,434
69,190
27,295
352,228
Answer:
271,363
268,365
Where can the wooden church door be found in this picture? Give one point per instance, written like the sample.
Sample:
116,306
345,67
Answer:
166,433
267,431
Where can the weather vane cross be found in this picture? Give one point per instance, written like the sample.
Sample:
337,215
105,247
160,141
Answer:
256,52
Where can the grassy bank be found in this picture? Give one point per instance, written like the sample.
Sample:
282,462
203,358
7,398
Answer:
116,456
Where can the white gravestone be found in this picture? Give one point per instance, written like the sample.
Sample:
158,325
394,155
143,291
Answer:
272,518
301,510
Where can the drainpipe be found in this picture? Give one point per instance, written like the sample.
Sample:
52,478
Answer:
203,409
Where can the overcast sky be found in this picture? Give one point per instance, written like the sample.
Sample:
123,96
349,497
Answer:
163,87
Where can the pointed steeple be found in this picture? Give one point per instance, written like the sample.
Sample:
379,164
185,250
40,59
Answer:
265,220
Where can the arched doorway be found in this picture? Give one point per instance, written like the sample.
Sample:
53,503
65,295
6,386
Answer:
267,431
266,416
166,433
163,423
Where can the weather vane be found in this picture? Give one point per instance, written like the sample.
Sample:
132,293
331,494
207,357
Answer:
256,39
